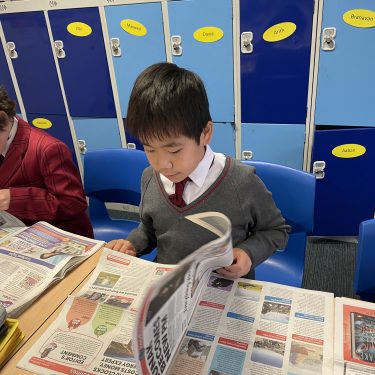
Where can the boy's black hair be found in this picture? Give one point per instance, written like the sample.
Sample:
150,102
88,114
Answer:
167,101
7,105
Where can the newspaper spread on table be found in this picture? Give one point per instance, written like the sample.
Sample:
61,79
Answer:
32,258
355,331
138,317
8,224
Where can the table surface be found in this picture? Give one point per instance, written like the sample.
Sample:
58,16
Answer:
38,317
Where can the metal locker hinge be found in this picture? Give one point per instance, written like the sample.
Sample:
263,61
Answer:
82,146
176,45
247,155
246,42
59,49
328,40
115,47
318,169
12,50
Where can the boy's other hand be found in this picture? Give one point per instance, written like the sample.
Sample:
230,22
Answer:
4,199
123,246
240,267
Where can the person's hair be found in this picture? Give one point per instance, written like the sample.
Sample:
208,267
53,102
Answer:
7,105
167,101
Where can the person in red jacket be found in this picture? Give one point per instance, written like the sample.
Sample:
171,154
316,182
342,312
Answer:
38,178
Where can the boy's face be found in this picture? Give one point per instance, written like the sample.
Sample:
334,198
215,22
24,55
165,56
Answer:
177,157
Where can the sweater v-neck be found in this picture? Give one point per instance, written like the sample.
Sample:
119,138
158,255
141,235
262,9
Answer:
197,201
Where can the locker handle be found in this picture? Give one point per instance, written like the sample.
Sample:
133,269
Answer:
12,50
176,42
59,49
328,41
82,146
115,47
318,169
246,42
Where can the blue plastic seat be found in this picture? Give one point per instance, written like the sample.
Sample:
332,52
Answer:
364,279
113,175
294,193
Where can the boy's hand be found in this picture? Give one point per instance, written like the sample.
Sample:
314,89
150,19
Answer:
4,199
123,246
240,267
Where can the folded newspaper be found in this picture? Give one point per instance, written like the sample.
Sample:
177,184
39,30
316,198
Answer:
32,258
138,317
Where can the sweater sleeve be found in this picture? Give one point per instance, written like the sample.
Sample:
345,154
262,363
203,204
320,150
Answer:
59,195
143,237
267,228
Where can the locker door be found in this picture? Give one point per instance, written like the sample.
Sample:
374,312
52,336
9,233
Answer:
345,196
83,62
223,139
275,143
346,75
205,28
139,30
34,65
274,76
6,79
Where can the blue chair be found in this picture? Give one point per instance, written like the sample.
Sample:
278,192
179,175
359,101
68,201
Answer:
113,175
364,279
294,193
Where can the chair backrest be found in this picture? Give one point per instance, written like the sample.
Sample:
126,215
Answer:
364,279
114,175
293,191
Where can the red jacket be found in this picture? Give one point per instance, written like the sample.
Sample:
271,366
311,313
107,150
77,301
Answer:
44,182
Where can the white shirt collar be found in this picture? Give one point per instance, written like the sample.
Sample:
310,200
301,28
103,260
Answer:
11,136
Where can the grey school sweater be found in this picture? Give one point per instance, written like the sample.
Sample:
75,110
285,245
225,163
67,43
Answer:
257,224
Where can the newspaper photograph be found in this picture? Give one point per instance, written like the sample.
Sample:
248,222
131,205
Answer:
355,333
31,258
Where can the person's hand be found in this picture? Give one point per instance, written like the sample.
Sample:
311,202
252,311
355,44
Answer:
240,267
123,246
4,199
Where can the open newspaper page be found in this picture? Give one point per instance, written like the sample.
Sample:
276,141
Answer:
93,332
168,306
32,258
354,337
8,224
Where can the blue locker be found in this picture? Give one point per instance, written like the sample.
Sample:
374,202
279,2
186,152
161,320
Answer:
346,75
83,62
275,75
345,196
223,139
274,143
205,28
98,133
5,77
34,67
56,125
139,30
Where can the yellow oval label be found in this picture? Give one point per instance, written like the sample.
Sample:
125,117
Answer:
42,123
362,18
79,29
348,150
279,32
133,27
208,34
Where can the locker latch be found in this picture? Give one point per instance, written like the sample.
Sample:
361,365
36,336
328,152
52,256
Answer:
318,169
59,48
131,146
12,50
247,155
115,47
328,41
246,42
176,45
82,146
